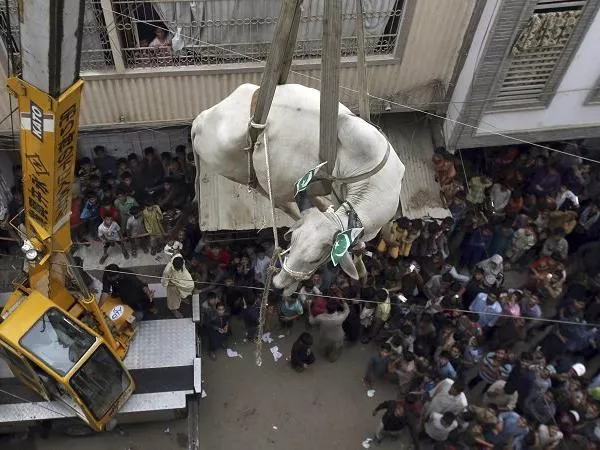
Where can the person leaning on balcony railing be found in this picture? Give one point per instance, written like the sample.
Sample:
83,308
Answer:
162,39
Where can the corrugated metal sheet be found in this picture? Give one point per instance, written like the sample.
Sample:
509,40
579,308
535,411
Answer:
411,138
225,205
179,94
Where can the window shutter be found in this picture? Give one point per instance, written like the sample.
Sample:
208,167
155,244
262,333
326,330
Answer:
537,53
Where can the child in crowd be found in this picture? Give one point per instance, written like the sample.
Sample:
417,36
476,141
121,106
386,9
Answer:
136,231
154,226
109,232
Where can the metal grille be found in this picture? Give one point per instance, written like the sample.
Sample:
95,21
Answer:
525,83
95,47
11,39
233,31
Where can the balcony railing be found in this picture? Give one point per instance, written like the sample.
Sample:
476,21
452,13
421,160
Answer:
10,32
232,31
140,32
95,47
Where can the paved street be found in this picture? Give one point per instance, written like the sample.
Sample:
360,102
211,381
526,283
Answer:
324,408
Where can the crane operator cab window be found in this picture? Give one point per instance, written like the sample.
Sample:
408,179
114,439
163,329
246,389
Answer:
60,344
100,382
57,341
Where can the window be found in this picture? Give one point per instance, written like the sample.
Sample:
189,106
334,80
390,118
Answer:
18,363
57,341
100,382
95,46
539,54
232,31
10,34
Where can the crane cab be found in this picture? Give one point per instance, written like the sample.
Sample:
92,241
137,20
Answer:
61,358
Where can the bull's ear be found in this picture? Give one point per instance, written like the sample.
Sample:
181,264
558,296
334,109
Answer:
347,265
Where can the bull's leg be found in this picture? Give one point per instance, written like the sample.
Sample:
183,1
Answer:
197,181
290,208
321,202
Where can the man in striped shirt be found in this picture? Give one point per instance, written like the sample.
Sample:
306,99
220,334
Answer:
495,366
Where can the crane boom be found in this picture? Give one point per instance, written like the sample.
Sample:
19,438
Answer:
59,343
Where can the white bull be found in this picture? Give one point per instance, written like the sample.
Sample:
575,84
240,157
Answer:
220,135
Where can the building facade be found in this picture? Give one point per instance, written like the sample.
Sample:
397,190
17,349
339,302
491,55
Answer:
412,47
139,93
532,72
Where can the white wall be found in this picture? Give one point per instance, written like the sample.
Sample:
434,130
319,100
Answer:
567,109
121,143
463,84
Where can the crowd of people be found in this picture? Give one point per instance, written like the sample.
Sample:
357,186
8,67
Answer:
482,358
132,203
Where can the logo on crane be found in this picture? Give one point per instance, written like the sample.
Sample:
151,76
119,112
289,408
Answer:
37,122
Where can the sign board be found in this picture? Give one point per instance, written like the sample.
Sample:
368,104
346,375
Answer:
49,128
116,312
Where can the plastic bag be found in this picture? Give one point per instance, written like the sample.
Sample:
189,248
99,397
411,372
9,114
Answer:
177,42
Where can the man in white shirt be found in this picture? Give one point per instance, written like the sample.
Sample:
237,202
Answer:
439,426
500,196
261,264
161,39
109,232
565,194
447,396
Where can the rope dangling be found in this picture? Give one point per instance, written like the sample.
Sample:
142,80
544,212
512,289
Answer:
272,269
264,302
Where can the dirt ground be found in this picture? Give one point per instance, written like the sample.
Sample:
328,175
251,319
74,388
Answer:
257,408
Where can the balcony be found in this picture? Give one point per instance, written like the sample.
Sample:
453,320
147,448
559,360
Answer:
123,34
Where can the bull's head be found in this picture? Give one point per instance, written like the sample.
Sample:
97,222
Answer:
316,238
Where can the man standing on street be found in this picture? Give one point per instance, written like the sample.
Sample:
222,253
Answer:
179,284
331,331
392,422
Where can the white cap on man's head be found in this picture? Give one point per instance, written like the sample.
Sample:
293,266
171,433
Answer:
575,415
579,369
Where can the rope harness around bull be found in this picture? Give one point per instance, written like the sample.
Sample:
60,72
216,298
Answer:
353,220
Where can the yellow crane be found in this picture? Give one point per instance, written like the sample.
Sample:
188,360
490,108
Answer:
60,343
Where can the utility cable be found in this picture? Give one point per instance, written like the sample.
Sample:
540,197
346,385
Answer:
310,294
356,91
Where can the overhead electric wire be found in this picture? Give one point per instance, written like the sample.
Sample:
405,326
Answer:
125,271
356,91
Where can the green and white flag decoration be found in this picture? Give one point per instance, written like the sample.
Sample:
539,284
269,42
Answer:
343,241
303,182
